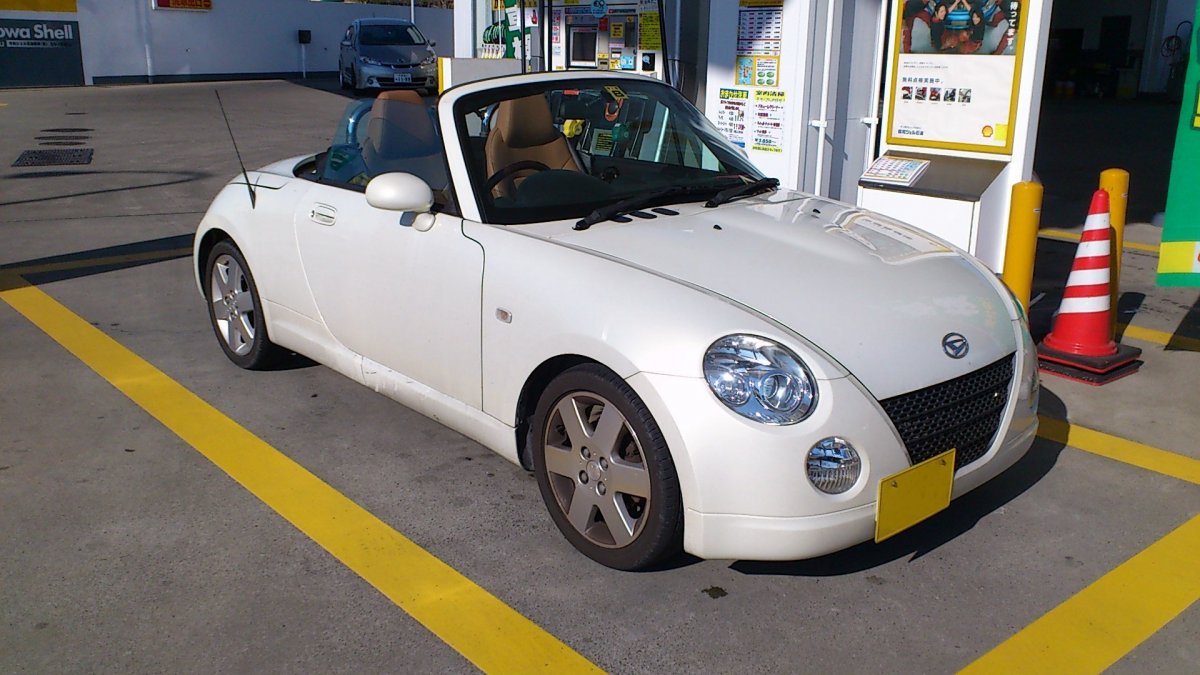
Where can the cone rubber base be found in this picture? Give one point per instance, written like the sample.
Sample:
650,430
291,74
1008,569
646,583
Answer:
1087,377
1098,365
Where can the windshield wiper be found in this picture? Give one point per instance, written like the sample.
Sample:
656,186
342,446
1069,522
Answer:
630,204
756,187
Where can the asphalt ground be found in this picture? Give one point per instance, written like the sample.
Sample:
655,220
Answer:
163,511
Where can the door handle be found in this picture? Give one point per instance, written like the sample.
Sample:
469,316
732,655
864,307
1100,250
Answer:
322,214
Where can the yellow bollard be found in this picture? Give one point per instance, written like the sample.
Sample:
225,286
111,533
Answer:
1024,216
1116,183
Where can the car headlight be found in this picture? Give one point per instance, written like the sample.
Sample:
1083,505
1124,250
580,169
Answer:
368,61
760,379
429,60
833,465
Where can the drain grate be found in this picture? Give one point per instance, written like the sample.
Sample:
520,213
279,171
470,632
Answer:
54,157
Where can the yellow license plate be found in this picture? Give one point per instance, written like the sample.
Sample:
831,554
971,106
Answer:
914,494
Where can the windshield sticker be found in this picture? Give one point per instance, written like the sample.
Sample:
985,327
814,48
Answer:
616,92
603,142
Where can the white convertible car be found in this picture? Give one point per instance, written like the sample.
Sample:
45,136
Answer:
579,272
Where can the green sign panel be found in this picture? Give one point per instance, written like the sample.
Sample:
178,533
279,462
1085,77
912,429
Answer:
1179,255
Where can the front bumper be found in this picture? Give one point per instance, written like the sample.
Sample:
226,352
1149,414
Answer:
745,489
397,77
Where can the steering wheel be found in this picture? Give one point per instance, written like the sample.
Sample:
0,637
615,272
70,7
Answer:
522,165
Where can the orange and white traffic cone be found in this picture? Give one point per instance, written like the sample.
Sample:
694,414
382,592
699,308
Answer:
1079,347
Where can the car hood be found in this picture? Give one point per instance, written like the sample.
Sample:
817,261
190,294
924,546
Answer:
395,54
877,296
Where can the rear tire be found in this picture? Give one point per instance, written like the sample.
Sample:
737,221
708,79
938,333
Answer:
605,472
235,310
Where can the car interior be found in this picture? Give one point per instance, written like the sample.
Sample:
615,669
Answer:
533,155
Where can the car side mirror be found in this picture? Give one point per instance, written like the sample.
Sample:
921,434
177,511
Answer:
345,43
400,192
433,43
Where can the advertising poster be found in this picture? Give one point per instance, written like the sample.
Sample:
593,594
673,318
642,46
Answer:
731,115
956,68
767,128
760,27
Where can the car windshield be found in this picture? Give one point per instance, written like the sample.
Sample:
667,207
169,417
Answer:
374,34
561,150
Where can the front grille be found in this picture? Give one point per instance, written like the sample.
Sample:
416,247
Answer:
962,413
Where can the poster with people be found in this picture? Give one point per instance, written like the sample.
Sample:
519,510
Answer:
955,74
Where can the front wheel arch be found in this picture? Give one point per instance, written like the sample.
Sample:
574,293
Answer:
531,392
207,242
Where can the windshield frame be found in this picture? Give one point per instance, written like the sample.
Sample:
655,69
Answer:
738,168
406,28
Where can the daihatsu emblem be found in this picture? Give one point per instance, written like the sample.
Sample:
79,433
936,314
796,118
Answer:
955,345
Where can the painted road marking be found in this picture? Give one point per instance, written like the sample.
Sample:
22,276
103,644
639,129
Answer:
481,627
1067,235
473,622
1097,626
1158,337
1121,450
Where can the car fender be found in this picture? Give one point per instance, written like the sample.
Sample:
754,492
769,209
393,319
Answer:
542,300
265,234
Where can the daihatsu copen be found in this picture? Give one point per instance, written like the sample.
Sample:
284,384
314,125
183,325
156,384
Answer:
579,272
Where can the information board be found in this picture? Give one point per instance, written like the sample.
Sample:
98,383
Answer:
955,75
40,53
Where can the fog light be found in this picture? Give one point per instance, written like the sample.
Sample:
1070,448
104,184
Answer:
833,466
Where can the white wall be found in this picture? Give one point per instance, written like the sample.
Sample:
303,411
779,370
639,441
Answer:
235,37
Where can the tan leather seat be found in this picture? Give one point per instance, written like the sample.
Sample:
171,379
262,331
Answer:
524,130
401,136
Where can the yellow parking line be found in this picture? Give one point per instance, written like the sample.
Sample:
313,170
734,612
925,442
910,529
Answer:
489,633
1067,235
1093,629
85,263
1159,337
1120,449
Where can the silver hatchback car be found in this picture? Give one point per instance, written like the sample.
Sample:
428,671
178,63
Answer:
386,54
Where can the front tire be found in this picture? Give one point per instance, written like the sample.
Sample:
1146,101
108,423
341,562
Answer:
605,472
235,310
343,84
